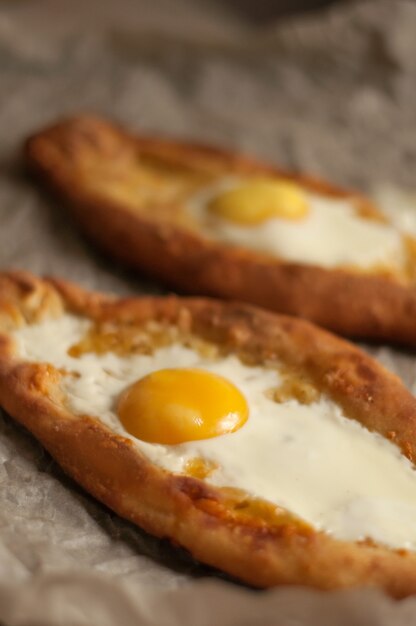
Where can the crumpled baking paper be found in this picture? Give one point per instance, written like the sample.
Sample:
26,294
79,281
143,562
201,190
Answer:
332,93
88,598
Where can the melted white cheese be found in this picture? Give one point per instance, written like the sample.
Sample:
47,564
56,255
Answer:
322,466
398,206
332,234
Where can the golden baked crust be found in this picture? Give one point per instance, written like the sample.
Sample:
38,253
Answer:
100,168
248,542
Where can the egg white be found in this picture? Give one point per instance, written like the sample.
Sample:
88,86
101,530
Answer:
331,235
320,465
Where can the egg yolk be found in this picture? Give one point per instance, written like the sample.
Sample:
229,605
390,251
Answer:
173,406
259,200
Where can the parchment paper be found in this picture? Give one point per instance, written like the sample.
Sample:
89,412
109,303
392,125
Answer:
333,93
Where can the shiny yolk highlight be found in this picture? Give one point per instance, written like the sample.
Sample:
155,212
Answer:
173,406
259,200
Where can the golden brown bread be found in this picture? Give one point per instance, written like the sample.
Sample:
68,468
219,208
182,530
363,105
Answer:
127,194
253,542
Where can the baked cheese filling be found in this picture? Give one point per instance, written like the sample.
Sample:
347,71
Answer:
296,225
311,459
398,205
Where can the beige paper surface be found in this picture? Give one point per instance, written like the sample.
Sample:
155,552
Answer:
333,94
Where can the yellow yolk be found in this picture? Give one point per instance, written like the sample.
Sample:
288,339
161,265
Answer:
173,406
259,200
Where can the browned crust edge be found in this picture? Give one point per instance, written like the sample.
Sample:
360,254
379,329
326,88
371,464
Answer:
186,510
354,305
